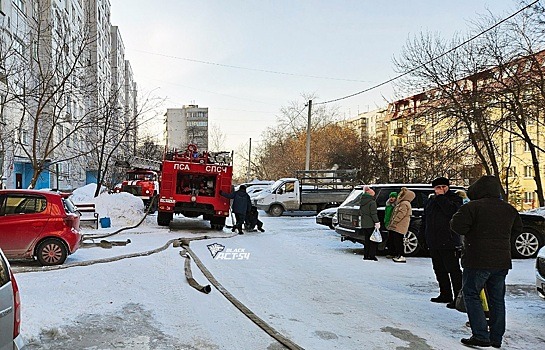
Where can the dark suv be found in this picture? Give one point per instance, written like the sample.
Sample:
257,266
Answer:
525,245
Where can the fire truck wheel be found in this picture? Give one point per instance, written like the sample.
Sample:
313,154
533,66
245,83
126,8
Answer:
217,223
276,210
163,219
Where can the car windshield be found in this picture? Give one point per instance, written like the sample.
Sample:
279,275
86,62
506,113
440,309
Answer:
277,184
353,198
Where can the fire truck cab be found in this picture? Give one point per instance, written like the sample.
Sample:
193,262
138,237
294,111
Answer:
190,185
142,183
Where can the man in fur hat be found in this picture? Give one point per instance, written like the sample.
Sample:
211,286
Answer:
444,244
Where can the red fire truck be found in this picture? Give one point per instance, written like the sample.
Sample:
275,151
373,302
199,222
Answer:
141,179
190,185
142,183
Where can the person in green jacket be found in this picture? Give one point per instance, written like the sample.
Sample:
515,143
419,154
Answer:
388,210
369,221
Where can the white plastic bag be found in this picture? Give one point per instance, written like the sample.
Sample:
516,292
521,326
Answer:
376,236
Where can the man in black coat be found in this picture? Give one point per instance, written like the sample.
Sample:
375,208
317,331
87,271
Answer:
443,243
241,205
487,223
252,220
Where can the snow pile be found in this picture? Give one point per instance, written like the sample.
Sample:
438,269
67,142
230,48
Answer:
122,208
85,194
536,211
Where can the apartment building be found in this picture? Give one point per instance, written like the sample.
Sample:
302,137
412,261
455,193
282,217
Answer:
83,58
186,125
429,137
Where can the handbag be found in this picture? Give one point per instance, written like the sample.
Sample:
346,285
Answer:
376,236
460,305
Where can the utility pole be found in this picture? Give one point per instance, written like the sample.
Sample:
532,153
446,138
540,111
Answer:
307,158
249,160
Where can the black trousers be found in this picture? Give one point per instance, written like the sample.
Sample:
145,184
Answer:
390,243
397,239
446,266
370,247
240,220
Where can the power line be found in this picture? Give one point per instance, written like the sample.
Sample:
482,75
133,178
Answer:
251,69
432,59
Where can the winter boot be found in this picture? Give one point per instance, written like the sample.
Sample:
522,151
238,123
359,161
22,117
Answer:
399,259
475,342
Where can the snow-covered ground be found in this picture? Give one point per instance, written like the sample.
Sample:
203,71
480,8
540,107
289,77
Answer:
298,277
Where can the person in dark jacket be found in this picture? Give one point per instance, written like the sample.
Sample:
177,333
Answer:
252,220
240,206
443,243
487,224
369,221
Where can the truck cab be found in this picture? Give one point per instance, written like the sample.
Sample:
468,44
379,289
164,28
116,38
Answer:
310,190
281,196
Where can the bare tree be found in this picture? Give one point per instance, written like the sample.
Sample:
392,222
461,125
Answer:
110,134
216,139
150,149
518,80
454,96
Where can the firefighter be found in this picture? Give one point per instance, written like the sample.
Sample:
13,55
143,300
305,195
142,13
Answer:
240,206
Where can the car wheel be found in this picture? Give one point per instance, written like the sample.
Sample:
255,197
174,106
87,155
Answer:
51,252
410,244
526,244
163,219
276,210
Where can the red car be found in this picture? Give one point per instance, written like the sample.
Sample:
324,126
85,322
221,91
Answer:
38,224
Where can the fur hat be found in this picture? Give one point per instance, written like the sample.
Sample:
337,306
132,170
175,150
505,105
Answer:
369,190
440,181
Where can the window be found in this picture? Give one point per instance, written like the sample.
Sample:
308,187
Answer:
289,186
197,123
4,273
526,147
24,205
511,172
20,4
528,171
19,46
24,137
528,197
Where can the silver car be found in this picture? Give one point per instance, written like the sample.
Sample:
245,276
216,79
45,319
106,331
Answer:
10,308
540,273
327,217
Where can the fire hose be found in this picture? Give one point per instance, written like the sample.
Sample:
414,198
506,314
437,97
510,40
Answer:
240,306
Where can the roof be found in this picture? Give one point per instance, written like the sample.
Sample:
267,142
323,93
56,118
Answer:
34,192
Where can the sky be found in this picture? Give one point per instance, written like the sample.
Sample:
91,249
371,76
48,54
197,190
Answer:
283,49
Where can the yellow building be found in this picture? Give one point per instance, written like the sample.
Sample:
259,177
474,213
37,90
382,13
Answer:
429,135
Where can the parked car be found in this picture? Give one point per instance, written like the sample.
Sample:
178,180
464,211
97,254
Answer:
42,225
524,245
256,189
10,308
540,273
328,217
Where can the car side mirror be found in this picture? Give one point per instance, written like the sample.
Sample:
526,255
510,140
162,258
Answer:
279,191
